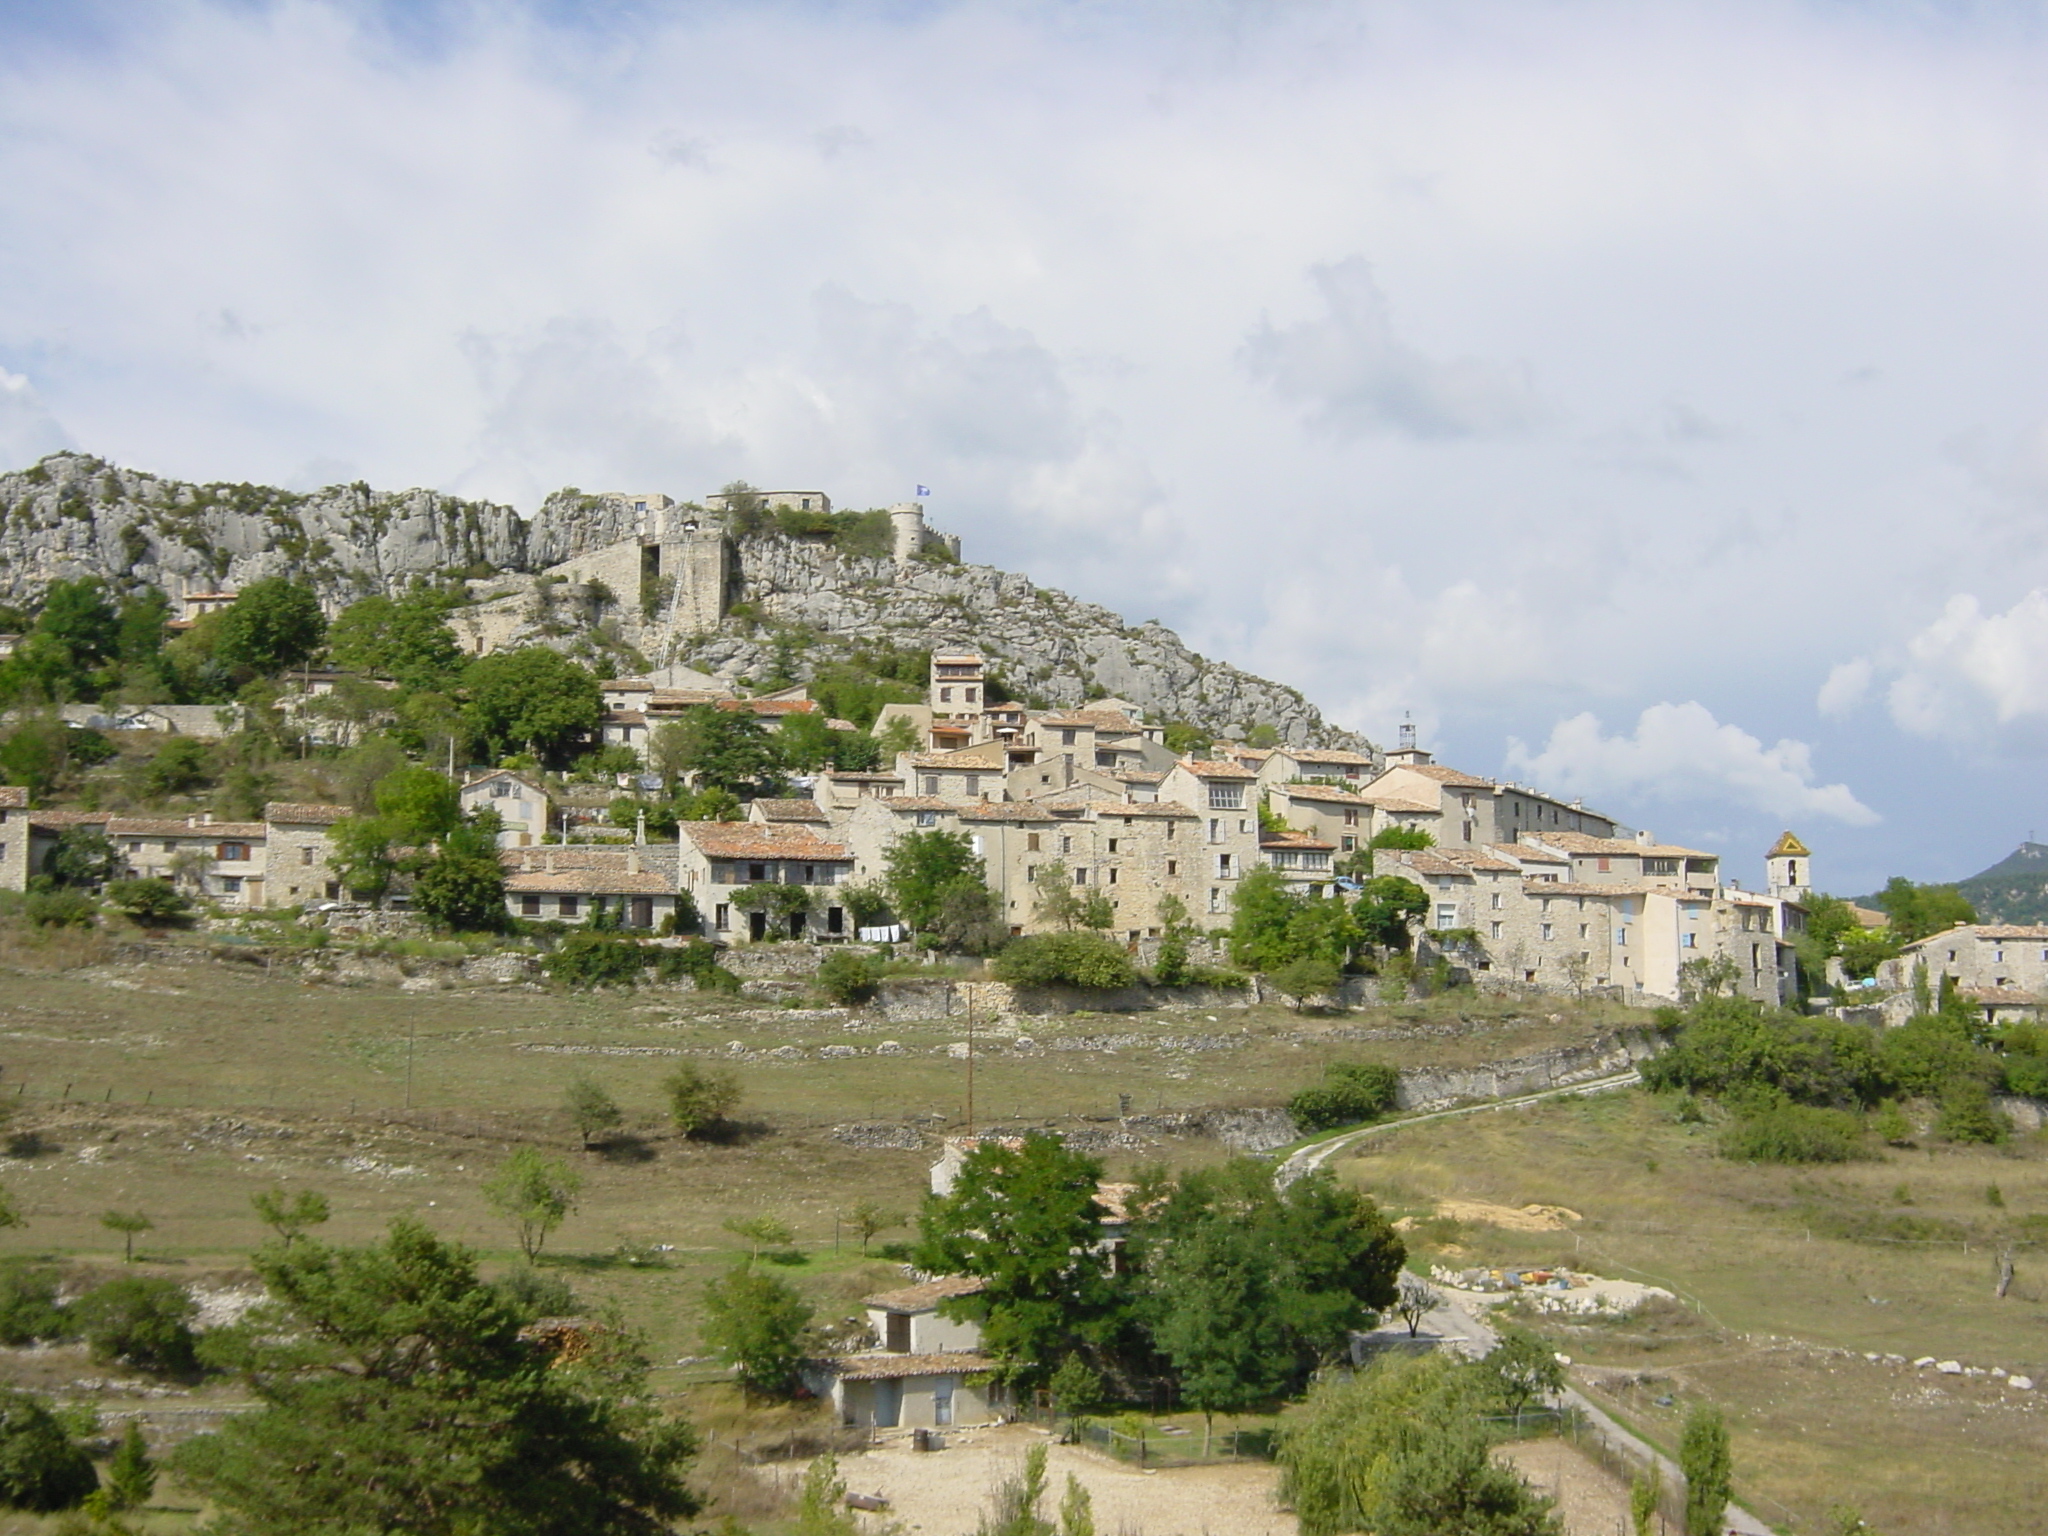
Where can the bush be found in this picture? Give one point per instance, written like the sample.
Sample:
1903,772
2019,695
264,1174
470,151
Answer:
847,978
1079,959
28,1305
61,908
1968,1115
590,959
148,902
1725,1045
2027,1075
699,962
1349,1094
41,1467
699,1098
1794,1133
144,1322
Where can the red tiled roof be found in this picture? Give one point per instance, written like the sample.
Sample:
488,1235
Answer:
69,818
1211,770
1293,840
770,706
791,810
13,797
164,826
1443,775
880,1367
1104,809
1327,755
924,1297
1328,794
594,882
747,840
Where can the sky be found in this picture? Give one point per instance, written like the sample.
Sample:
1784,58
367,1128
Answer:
1650,402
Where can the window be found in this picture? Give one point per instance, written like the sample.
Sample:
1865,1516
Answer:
931,784
566,906
1446,914
305,855
1603,864
1066,845
1113,843
810,874
1496,901
972,785
967,694
1169,836
945,695
1223,866
1351,818
1226,797
1031,842
1585,930
1621,935
1998,955
722,917
1066,738
1216,831
136,846
927,818
1172,868
757,872
1112,874
1495,930
529,906
1660,866
1685,941
232,853
1546,933
1350,844
1243,826
1081,876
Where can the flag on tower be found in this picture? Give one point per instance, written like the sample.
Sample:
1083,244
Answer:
924,490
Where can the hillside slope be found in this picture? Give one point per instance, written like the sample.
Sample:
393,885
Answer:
2014,890
797,602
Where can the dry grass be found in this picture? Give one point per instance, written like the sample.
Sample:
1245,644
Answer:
1780,1305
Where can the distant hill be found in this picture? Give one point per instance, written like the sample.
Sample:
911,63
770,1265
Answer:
2014,890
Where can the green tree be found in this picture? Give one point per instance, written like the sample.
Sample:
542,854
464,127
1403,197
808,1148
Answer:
700,1098
1349,1094
399,1396
272,626
847,979
1645,1493
28,1304
1307,977
760,1232
1079,959
129,1224
149,903
143,1321
1386,908
533,698
592,1110
869,1217
1075,1388
1704,1458
131,1475
290,1217
726,749
461,887
180,766
1054,899
408,640
1176,931
81,858
1024,1219
1261,912
1520,1369
970,919
920,867
535,1193
1918,910
821,1501
360,854
417,805
36,754
1400,837
755,1323
41,1467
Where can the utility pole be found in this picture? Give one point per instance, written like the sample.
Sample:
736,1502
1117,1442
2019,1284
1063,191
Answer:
970,1061
412,1027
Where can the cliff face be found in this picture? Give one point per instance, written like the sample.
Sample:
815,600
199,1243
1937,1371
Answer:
72,516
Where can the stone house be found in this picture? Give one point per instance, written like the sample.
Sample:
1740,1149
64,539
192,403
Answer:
1223,794
721,862
225,861
575,885
837,791
1131,853
1284,765
298,862
15,838
972,773
1302,858
525,807
1337,816
2001,965
1640,860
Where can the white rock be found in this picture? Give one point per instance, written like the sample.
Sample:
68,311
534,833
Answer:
1950,1368
1924,1361
2020,1383
1998,1371
1564,1359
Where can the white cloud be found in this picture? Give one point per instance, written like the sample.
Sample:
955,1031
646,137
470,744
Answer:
1680,752
1355,376
1970,673
27,429
1846,687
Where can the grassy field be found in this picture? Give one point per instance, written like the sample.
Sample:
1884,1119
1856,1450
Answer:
182,1090
1787,1278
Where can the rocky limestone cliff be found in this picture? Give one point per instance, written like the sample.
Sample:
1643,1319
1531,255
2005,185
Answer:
72,515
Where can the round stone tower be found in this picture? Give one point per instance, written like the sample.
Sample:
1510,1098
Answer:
906,522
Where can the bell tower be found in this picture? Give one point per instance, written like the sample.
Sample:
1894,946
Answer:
1788,869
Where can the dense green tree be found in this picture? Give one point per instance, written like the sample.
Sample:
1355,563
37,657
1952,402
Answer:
272,626
726,749
290,1217
180,766
408,640
1307,977
1025,1219
418,805
532,698
360,854
36,754
28,1302
534,1192
1704,1458
81,857
1386,909
592,1110
41,1467
1918,910
140,1320
1272,925
969,919
1400,837
920,867
399,1397
1725,1045
1349,1094
131,1475
462,887
755,1323
1397,1449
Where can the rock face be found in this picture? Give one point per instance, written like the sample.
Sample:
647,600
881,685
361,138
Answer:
792,602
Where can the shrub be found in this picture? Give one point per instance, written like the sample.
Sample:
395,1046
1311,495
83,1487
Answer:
2027,1075
1968,1115
1793,1133
28,1305
699,962
142,1321
1350,1093
61,908
41,1467
148,901
699,1098
847,978
1078,959
588,959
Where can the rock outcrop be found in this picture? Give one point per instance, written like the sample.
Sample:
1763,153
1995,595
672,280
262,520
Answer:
793,602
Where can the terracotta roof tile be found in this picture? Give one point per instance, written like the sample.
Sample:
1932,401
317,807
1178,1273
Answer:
745,840
791,810
165,826
595,882
1105,809
922,1298
1293,840
1327,755
1212,770
1327,794
13,797
879,1367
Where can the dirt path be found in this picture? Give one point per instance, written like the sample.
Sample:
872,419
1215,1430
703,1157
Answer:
1591,1499
944,1493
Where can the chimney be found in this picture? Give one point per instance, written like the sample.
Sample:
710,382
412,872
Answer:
633,858
547,860
1644,840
